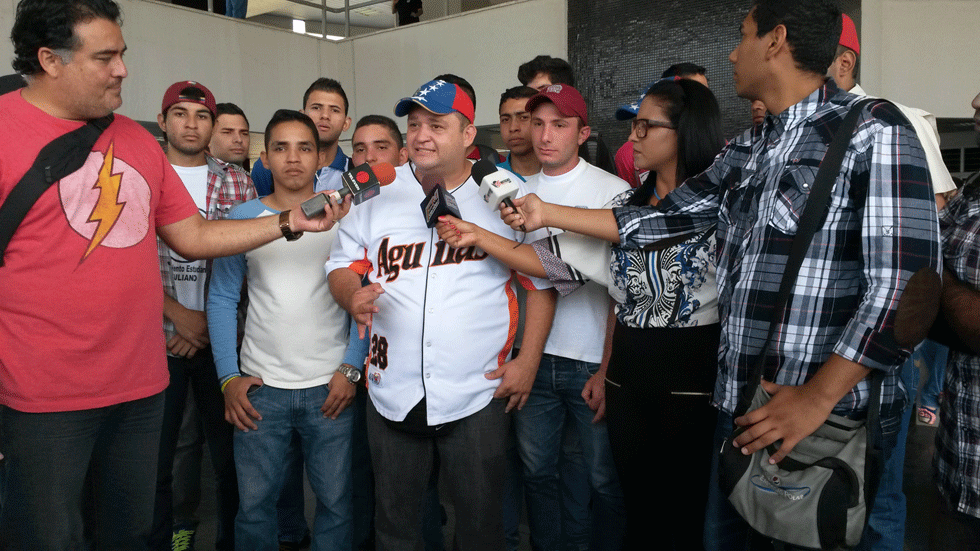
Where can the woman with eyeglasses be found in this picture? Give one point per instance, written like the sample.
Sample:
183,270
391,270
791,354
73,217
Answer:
663,359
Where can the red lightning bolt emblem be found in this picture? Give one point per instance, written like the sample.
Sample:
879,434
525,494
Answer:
108,207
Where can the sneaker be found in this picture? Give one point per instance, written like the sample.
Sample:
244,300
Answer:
288,546
182,540
927,415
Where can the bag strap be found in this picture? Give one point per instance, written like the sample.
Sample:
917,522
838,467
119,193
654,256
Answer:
59,158
811,219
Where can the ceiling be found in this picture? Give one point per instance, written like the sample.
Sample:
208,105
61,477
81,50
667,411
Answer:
369,14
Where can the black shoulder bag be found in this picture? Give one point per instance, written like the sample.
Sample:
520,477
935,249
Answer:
62,156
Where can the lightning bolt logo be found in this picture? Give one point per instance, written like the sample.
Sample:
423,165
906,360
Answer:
108,207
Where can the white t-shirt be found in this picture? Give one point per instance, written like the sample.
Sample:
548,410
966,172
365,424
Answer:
579,329
189,275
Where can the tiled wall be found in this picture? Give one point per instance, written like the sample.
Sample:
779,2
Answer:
618,47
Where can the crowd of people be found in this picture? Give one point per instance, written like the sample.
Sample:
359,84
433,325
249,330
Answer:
577,353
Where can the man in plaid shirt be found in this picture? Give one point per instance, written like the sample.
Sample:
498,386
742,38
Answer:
880,229
957,459
186,118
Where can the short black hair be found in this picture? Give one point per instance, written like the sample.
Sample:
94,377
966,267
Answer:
557,69
324,84
683,70
462,83
813,29
230,109
51,24
386,122
517,92
288,115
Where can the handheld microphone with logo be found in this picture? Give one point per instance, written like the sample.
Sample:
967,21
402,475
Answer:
363,182
437,202
496,186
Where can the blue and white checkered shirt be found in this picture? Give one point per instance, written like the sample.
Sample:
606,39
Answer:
957,459
880,229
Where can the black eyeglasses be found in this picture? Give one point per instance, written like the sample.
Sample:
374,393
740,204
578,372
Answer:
640,126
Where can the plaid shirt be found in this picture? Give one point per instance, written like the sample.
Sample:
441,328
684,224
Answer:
228,186
881,228
957,459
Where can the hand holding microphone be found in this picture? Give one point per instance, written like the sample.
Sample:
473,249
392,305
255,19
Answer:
496,186
363,182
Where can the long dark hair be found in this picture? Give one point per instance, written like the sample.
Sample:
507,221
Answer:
694,112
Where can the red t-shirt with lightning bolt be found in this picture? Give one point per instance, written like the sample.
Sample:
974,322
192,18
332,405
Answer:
80,292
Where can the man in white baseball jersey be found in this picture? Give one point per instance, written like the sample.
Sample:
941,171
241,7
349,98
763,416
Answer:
442,324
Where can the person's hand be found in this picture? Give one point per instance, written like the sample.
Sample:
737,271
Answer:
363,308
341,395
517,378
238,409
333,213
179,346
457,233
192,325
594,394
792,414
529,213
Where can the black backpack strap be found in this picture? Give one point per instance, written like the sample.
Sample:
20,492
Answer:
61,157
813,215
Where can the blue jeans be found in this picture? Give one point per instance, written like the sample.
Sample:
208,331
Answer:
47,456
556,397
934,356
886,525
326,447
291,509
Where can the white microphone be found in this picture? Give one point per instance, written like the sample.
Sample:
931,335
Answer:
496,186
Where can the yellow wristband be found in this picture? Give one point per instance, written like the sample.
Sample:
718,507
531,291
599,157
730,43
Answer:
224,384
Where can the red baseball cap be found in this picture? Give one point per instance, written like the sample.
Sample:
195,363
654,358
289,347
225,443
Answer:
567,99
849,35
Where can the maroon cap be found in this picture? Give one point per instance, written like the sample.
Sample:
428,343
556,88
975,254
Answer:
173,96
567,99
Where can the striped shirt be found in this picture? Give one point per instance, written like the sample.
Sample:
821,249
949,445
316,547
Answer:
881,227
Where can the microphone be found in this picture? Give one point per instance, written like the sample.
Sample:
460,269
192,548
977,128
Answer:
496,186
363,182
437,202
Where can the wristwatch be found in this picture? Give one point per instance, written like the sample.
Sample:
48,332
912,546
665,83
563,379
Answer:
352,373
289,234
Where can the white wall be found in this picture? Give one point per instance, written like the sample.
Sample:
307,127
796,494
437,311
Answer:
263,69
922,53
485,47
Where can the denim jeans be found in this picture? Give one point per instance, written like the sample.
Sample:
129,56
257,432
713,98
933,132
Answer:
471,460
200,374
326,448
934,356
291,508
556,397
47,456
724,529
886,525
